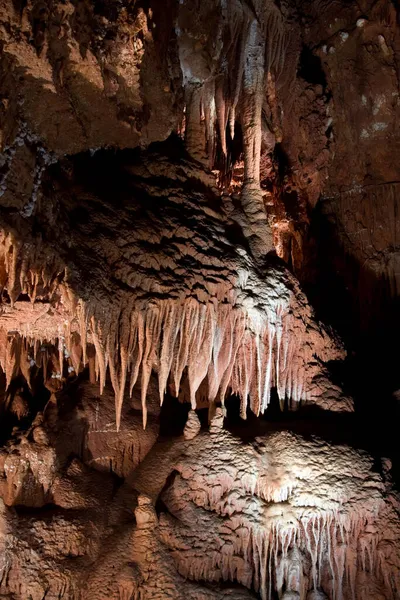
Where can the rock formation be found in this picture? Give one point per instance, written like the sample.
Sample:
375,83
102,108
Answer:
198,320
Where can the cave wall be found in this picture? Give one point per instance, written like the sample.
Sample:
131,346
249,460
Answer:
341,144
179,419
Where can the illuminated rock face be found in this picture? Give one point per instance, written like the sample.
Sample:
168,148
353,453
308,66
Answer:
178,294
171,289
279,514
175,416
270,513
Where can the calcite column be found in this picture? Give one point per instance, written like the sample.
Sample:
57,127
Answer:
195,135
256,226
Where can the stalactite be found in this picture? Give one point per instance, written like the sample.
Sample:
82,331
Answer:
209,109
239,77
28,270
225,345
222,112
278,555
254,46
252,100
239,336
195,134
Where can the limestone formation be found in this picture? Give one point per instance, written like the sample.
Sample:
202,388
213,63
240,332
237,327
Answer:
199,291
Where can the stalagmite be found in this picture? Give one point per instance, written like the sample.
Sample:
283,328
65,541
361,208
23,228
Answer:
192,426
